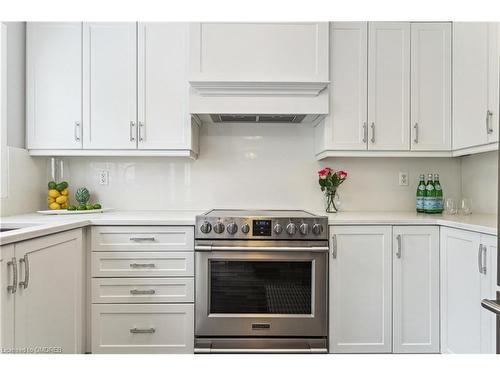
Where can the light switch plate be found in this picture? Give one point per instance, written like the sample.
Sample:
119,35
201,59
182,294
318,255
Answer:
103,177
403,178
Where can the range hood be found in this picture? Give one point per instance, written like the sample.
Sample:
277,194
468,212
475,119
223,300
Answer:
259,118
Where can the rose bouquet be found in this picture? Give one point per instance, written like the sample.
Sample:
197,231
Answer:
329,181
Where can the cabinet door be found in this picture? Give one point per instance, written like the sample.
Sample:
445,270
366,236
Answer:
493,80
164,121
416,289
49,307
54,85
431,86
389,85
465,326
7,296
489,288
348,96
110,88
360,289
470,84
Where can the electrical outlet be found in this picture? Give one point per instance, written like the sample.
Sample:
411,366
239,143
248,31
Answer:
103,177
403,178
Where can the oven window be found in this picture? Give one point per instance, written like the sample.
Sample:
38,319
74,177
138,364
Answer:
250,287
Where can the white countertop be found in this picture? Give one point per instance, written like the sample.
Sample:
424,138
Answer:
36,225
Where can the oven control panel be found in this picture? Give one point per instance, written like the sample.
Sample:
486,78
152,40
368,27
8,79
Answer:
303,228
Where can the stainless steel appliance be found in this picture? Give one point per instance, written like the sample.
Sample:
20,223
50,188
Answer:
261,281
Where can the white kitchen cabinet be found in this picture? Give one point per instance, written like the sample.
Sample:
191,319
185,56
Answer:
468,274
54,85
110,85
163,89
389,85
431,86
415,289
476,55
360,289
7,278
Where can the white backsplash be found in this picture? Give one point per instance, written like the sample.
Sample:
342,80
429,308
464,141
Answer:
259,166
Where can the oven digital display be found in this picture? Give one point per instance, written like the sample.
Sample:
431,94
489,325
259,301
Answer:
261,227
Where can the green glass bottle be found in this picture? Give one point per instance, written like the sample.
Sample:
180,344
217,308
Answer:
438,204
430,195
421,194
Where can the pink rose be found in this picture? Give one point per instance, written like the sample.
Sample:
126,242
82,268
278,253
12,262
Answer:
342,175
323,173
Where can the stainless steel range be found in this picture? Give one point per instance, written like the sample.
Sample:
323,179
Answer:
261,281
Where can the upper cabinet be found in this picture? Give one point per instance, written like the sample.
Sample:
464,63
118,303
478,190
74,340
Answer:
475,84
259,52
390,90
110,88
123,89
54,85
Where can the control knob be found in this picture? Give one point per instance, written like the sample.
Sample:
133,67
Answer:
278,228
219,227
291,229
317,229
206,227
304,228
232,228
245,228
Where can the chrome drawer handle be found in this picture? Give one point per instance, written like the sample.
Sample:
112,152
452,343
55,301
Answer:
489,115
142,265
142,330
365,132
334,246
480,259
141,239
132,126
13,288
398,252
141,127
142,292
416,132
24,260
373,132
77,131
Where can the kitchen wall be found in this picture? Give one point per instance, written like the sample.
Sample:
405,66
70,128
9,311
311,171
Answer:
479,174
256,166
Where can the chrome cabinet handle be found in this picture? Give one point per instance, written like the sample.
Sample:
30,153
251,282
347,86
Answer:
365,132
142,265
77,131
24,284
416,132
373,132
481,255
13,288
142,292
399,249
334,246
142,330
141,239
141,126
132,126
489,115
492,305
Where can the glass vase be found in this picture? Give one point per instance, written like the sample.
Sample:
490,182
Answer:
332,201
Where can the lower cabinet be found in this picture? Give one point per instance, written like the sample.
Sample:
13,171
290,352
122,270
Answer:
384,289
142,328
468,274
42,294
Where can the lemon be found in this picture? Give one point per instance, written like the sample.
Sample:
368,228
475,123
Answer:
62,199
64,192
54,206
64,205
50,200
53,193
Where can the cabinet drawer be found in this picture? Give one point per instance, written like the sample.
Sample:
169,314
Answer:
142,238
137,290
147,264
142,328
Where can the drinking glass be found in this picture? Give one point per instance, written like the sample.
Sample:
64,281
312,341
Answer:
451,206
466,206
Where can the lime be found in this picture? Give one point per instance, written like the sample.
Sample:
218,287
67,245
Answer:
97,206
64,185
52,185
71,207
81,207
89,206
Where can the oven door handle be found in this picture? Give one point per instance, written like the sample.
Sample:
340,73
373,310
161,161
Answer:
261,248
491,305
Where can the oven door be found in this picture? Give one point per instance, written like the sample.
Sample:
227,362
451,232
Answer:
261,293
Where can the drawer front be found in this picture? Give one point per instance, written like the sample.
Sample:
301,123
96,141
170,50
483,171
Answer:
137,290
144,264
142,328
142,238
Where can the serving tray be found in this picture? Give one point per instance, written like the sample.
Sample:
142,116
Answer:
75,212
